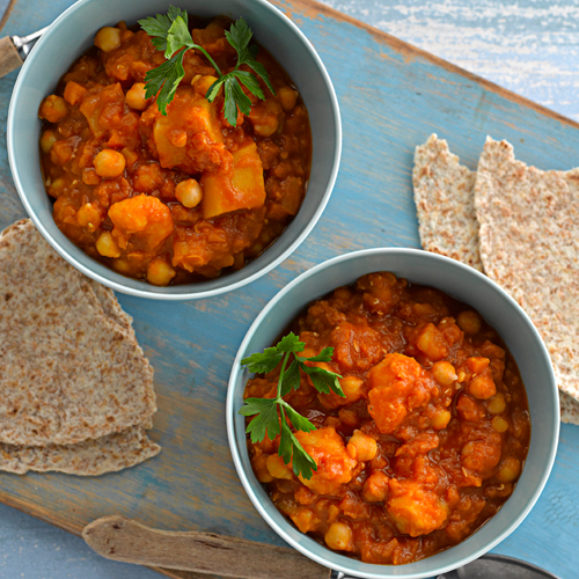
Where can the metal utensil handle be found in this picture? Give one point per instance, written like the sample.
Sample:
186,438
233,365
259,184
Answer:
14,49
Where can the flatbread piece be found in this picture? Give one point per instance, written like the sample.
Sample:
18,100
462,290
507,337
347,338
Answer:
71,368
529,244
436,168
444,203
89,458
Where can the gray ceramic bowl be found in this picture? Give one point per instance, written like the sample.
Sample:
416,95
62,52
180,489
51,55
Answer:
497,308
73,32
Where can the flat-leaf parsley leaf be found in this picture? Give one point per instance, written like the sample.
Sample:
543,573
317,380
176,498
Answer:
273,416
170,33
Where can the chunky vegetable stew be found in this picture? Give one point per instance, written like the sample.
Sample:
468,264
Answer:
179,197
427,443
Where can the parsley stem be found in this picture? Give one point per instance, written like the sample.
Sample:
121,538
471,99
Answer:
281,374
207,56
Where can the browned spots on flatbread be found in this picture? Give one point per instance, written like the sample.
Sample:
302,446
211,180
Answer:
529,244
72,369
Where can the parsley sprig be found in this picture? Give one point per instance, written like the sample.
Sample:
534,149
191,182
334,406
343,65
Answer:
170,34
271,415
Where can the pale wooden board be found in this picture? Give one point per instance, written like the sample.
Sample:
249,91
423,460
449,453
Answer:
392,97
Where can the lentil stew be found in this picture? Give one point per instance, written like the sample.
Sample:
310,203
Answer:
427,443
177,198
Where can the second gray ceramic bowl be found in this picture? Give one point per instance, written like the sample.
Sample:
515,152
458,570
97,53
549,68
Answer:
497,308
73,32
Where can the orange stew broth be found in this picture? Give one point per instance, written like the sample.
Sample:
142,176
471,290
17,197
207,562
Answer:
175,198
430,438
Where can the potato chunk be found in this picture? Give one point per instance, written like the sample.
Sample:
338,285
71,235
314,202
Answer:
415,511
335,466
398,385
239,186
143,221
189,137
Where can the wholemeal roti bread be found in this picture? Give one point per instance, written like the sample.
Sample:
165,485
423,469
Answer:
529,244
92,457
444,203
72,369
111,306
437,236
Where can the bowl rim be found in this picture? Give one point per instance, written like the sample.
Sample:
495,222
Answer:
124,284
375,571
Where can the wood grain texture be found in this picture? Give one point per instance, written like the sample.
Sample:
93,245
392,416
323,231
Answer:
392,97
122,539
9,58
529,47
5,9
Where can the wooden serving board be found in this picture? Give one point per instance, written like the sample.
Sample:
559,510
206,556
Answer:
392,97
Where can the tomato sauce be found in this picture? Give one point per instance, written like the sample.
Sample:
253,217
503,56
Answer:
430,438
176,198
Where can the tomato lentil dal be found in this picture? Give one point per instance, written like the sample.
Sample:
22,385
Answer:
177,198
430,438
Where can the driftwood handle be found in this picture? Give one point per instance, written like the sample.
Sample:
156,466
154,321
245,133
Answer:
122,539
9,58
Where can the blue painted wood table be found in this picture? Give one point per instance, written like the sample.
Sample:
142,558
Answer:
392,97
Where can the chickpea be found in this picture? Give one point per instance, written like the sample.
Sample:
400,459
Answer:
109,163
497,404
469,322
440,419
189,193
135,97
431,342
47,139
339,537
362,447
277,468
122,266
288,97
53,109
509,469
305,519
108,38
444,373
375,488
160,272
352,387
89,216
267,126
57,187
260,468
107,246
482,386
265,117
202,84
499,424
